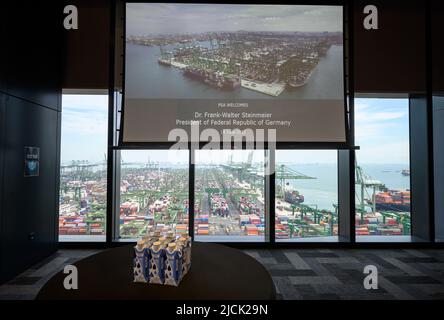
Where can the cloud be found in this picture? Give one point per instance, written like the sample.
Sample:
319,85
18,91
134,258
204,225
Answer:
84,124
85,116
382,153
378,116
146,19
373,110
381,130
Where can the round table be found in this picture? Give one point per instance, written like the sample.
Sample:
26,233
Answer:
217,273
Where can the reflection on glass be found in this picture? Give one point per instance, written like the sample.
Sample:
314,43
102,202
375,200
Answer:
306,195
153,192
229,195
438,141
382,169
83,182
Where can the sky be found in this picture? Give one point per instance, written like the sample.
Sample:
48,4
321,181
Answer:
84,127
381,132
168,18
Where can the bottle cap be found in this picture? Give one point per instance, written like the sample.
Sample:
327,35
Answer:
140,244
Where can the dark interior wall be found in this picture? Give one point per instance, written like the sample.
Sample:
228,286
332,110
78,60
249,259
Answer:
86,62
2,52
30,104
395,52
29,205
437,16
28,41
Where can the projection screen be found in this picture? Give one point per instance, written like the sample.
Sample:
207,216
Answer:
232,66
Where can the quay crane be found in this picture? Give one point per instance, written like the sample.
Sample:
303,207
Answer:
365,182
284,173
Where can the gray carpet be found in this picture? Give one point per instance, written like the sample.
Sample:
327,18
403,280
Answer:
338,274
300,273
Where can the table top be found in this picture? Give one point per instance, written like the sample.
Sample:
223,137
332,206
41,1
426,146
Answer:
217,273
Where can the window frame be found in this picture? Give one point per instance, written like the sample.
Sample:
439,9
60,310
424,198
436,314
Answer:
80,92
386,239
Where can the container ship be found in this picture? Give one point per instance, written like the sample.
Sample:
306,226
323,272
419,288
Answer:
213,78
405,172
299,80
393,200
297,71
164,62
293,197
296,82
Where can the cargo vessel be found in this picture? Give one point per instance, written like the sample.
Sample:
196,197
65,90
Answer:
213,78
293,197
393,200
299,80
296,82
164,62
405,172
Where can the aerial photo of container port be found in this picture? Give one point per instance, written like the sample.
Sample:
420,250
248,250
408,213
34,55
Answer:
266,62
239,51
229,200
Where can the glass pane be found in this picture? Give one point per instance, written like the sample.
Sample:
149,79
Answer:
83,182
438,150
229,195
306,195
382,168
153,191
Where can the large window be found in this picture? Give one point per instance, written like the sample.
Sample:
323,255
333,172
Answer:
229,195
153,192
306,195
83,183
229,185
382,168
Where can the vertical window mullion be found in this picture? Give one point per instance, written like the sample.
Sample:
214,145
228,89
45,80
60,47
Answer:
191,196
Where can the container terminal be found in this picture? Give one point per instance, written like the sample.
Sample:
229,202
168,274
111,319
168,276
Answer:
266,62
229,201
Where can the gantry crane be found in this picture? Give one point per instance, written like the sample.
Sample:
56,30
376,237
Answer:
284,173
366,182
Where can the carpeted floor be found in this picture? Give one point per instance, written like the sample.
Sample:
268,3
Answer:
300,273
338,274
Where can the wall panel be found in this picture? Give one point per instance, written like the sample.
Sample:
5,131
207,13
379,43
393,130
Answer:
391,59
30,104
86,61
